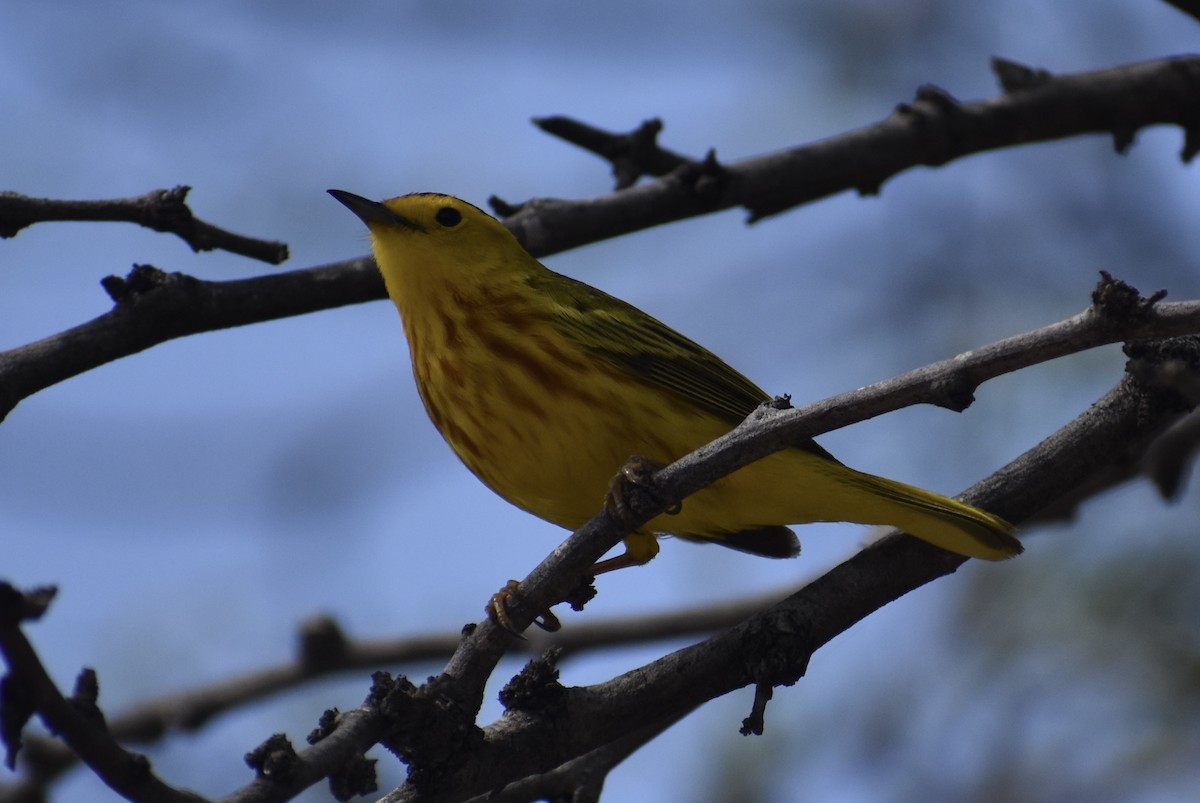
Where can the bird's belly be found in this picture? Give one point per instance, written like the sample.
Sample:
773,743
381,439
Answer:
554,450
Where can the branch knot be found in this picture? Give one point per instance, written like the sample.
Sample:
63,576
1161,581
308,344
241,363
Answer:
432,731
536,687
1117,301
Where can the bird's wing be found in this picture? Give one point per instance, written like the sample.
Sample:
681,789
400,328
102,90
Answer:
631,339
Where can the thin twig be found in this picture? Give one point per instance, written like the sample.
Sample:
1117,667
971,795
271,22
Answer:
160,210
632,155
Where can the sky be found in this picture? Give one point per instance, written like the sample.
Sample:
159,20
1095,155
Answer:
196,501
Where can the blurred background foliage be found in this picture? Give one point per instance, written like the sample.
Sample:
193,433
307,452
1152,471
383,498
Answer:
196,501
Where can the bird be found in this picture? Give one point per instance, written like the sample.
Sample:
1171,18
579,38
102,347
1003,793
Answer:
545,387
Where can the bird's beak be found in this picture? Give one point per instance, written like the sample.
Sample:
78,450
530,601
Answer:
371,212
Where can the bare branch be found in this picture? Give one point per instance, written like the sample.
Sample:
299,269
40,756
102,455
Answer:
933,130
927,132
77,721
517,746
1131,414
632,155
580,780
341,743
161,210
1189,7
325,650
773,647
1118,313
432,727
1166,462
949,383
1010,493
153,307
337,748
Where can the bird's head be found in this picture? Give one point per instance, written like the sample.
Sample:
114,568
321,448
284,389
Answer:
429,237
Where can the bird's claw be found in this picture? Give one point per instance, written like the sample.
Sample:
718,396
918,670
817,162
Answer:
497,611
638,470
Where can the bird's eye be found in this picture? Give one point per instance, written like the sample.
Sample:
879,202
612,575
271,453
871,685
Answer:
448,216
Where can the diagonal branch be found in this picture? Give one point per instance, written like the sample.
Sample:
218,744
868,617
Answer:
773,647
77,721
1117,306
581,779
1118,313
161,210
1189,7
325,650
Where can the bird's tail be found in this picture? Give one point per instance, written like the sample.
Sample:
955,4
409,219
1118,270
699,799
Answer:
940,520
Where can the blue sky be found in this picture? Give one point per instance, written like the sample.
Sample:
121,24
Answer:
194,502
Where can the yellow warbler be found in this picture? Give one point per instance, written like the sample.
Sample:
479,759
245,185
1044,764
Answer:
545,386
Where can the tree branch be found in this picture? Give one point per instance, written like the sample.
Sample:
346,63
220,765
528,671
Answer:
1118,313
1007,493
432,727
773,647
580,780
1115,306
325,650
1189,7
28,689
632,155
153,307
160,210
931,131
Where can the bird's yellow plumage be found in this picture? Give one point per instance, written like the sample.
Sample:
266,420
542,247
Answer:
545,386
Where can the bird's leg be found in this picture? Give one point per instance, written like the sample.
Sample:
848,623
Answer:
640,548
638,470
497,607
497,611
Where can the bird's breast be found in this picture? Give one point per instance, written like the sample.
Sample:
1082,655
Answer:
538,418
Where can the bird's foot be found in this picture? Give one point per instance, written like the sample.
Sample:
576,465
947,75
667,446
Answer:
497,611
639,471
